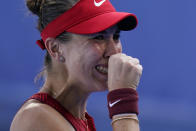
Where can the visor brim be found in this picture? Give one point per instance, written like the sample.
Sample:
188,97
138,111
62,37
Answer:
125,21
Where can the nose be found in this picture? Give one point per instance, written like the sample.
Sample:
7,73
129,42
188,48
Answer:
112,48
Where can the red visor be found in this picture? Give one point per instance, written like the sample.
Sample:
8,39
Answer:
88,17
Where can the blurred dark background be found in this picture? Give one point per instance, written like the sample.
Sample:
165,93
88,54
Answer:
164,41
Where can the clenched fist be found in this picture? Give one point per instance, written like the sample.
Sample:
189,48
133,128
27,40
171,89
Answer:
123,72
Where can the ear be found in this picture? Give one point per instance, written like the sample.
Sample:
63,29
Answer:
53,47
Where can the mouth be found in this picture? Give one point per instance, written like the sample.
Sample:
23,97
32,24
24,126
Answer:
103,69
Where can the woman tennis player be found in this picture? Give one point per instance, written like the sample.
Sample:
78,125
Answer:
83,55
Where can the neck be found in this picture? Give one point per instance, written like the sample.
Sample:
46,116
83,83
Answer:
70,96
74,100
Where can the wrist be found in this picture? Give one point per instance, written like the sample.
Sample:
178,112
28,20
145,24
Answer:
126,116
116,87
122,101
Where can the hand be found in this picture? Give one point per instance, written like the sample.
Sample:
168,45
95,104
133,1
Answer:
123,72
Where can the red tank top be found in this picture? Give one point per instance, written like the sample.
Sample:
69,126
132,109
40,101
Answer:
78,124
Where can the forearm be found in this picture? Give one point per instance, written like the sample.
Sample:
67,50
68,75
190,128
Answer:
125,122
125,125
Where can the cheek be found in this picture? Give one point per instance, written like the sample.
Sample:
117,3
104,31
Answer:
99,49
86,59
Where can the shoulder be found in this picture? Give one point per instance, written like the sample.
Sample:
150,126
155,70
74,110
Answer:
35,116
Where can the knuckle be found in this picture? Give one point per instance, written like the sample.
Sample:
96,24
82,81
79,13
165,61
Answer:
129,57
128,66
130,63
139,69
123,54
137,60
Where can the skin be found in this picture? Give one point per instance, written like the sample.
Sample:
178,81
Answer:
71,81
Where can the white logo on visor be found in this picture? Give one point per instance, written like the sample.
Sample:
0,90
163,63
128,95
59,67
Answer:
99,3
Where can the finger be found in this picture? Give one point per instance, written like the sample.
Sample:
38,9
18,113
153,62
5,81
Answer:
140,69
134,61
116,56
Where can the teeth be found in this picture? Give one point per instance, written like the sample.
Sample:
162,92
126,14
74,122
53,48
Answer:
102,69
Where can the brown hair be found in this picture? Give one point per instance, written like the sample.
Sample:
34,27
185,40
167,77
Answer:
48,10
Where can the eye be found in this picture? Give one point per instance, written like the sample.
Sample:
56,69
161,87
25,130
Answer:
99,37
116,37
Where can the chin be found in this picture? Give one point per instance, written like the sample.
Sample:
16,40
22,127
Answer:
97,83
100,87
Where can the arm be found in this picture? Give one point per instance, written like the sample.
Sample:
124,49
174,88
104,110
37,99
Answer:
125,124
124,74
